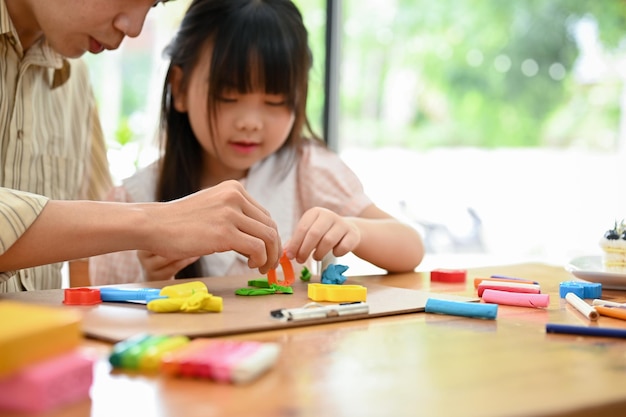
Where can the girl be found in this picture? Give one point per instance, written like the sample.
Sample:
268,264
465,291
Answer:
233,108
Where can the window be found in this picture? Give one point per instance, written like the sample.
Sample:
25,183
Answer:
496,127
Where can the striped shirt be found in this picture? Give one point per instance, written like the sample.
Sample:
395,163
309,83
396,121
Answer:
51,143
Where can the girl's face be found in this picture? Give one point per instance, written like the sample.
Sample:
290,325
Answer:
249,127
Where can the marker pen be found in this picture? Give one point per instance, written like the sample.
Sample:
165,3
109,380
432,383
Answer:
585,331
583,308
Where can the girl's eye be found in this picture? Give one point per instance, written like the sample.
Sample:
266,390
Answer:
276,101
224,99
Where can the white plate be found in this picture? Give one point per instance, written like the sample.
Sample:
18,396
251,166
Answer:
590,268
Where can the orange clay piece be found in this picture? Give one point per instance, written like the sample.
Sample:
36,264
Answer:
288,274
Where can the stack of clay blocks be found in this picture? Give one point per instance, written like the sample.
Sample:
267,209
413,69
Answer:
41,367
222,360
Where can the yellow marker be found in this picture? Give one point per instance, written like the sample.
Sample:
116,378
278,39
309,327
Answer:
184,290
198,302
151,358
337,293
30,333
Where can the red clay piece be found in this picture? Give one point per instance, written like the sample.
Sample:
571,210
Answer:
448,275
82,296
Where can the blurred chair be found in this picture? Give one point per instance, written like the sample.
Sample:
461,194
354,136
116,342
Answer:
439,237
79,273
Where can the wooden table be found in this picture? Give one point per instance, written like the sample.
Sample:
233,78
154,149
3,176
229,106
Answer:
407,365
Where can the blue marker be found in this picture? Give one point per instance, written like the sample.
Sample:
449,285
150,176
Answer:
462,308
585,330
138,294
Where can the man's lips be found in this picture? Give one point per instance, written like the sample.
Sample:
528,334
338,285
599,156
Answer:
95,47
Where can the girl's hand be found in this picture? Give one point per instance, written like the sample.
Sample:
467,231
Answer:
158,268
320,231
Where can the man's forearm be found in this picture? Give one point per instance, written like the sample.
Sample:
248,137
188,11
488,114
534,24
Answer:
67,230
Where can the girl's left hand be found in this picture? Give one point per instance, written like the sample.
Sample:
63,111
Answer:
320,231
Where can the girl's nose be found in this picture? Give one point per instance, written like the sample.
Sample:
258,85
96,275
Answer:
249,120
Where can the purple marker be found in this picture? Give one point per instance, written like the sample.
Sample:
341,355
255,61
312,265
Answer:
512,278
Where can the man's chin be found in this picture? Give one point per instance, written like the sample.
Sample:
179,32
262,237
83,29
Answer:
69,52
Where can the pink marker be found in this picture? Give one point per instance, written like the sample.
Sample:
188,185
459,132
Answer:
236,361
516,298
508,286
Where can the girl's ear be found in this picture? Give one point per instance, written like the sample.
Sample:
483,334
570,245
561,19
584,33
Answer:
179,94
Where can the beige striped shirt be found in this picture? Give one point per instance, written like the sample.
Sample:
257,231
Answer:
51,143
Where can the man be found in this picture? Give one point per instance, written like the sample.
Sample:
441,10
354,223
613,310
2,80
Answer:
52,153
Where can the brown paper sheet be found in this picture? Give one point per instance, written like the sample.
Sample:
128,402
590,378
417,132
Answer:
241,314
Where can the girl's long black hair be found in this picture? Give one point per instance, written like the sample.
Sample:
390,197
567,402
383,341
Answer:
255,42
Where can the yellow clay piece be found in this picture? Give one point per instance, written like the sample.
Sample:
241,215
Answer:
337,293
196,303
30,333
184,290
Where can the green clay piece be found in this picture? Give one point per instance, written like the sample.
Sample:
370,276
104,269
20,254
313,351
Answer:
259,283
282,290
274,289
255,291
305,274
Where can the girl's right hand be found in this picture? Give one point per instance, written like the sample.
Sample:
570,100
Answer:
158,268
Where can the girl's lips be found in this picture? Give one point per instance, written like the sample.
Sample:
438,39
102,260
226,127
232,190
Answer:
244,147
95,47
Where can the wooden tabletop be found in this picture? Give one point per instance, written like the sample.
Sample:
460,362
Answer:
406,365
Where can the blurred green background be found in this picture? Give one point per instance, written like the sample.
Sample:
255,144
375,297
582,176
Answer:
422,74
513,111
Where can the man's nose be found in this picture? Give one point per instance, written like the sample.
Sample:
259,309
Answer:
131,22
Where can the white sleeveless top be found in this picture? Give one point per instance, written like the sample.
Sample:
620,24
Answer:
285,185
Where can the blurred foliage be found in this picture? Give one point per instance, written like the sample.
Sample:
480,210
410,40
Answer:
135,68
124,134
314,15
487,73
420,74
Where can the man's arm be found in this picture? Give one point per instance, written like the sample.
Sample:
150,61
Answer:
217,219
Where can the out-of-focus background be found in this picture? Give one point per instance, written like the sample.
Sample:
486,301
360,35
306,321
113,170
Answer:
496,128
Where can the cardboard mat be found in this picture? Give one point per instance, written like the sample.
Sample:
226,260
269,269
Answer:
241,314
